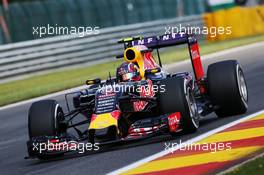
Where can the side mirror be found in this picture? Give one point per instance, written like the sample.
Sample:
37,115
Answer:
152,71
94,81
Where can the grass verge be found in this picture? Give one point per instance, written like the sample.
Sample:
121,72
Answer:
52,82
255,167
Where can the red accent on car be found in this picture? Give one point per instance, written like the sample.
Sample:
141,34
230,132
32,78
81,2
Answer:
93,117
196,61
116,114
149,62
174,120
146,91
54,140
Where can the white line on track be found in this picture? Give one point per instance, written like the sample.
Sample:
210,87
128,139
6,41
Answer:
193,140
205,57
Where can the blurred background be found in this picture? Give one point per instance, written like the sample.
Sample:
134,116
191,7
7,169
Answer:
17,17
39,65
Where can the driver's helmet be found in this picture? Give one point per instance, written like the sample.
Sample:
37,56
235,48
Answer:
127,72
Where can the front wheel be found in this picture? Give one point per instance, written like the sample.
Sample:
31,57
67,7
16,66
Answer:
178,97
43,120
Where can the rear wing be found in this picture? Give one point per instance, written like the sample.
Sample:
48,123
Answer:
155,42
167,40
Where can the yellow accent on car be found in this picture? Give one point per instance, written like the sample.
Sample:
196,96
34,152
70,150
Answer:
154,71
134,55
103,121
128,39
89,82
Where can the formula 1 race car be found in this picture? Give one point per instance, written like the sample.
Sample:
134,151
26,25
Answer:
122,108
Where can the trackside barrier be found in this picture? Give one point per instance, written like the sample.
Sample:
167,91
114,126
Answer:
63,51
91,13
243,21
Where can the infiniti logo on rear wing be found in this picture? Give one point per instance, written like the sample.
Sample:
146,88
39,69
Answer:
162,41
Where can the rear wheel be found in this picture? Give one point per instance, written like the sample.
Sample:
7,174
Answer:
178,97
227,88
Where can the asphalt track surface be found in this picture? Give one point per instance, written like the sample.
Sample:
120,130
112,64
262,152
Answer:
13,129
